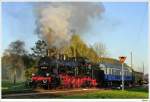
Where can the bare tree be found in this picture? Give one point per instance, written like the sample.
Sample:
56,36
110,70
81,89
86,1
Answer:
100,49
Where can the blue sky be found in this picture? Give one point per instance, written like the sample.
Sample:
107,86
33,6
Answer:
18,22
123,28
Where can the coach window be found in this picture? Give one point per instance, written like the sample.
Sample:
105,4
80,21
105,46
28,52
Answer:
120,72
128,73
110,71
113,72
117,72
107,70
124,73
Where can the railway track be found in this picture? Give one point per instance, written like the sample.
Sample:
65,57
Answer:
45,93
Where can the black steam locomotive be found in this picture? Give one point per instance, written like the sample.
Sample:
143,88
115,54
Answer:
65,73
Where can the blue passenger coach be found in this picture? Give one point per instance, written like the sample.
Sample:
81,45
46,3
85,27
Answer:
113,73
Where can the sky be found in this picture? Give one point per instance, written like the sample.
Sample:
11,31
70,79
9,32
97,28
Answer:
123,29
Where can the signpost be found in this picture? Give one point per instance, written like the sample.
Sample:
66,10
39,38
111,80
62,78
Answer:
122,60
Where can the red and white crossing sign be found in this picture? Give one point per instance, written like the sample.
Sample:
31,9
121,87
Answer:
122,59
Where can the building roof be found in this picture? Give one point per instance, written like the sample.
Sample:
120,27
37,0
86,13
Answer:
117,66
113,63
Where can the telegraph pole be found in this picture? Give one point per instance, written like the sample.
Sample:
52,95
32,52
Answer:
143,71
122,77
143,67
131,61
132,66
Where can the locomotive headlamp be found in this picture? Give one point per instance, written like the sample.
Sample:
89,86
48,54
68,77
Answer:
33,74
44,81
47,74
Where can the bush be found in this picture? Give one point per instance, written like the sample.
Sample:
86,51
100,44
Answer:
29,71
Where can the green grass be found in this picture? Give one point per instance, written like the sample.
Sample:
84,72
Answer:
111,94
9,87
139,89
132,93
10,84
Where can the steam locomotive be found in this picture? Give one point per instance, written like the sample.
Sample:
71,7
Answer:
64,73
78,72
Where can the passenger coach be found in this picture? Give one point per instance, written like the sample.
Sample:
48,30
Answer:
113,74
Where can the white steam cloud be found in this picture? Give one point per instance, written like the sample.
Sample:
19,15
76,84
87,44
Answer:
56,22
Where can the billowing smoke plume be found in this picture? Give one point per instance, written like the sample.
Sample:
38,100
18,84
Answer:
56,22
